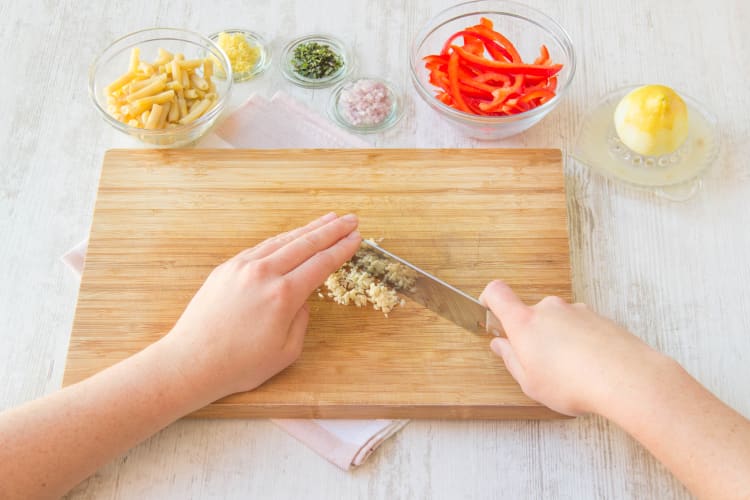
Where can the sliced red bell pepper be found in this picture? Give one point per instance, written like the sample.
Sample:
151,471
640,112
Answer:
514,106
549,84
444,98
543,56
486,28
471,82
436,58
474,104
526,69
465,72
434,64
453,80
497,51
473,44
552,87
502,94
468,91
493,77
542,94
545,52
441,80
496,84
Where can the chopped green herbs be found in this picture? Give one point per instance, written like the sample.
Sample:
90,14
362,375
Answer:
316,60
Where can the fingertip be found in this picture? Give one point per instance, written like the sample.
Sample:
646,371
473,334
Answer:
347,247
494,286
350,218
329,217
502,300
313,272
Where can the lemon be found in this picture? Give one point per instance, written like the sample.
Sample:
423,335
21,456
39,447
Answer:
652,120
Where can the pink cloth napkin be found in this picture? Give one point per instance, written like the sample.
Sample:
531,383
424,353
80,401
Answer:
283,122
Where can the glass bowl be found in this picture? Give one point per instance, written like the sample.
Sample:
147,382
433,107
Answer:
113,62
338,115
526,27
287,55
675,176
255,40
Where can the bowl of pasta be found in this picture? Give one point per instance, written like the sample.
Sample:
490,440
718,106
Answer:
161,85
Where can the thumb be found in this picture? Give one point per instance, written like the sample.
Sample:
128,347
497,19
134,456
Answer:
506,305
502,348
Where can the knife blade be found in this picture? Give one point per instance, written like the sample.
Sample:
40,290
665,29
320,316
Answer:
427,290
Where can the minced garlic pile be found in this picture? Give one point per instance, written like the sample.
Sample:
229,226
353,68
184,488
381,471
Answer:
369,278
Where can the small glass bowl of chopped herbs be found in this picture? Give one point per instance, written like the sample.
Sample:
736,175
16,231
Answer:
315,61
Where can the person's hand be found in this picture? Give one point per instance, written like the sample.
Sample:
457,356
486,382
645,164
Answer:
563,355
248,320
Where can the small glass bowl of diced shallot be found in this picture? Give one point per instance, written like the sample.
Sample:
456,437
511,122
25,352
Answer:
366,105
159,85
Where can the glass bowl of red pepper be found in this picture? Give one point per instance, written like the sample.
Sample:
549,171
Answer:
493,68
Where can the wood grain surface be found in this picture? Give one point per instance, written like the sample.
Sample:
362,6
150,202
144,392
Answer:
164,219
676,274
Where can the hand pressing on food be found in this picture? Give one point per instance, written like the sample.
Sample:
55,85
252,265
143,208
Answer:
248,320
575,361
246,323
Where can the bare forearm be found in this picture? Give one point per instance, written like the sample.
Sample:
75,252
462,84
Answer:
49,445
243,326
701,440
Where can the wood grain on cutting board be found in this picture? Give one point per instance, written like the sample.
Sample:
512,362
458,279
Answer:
165,218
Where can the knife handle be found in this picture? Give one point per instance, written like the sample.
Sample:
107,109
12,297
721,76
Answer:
492,325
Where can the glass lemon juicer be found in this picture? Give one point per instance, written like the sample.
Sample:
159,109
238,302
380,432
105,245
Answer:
675,176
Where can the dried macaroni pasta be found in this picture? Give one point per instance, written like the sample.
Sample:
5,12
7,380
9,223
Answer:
169,92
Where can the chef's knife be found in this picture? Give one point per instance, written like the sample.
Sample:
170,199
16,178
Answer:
434,293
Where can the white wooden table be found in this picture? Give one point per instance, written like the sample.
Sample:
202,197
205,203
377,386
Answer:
677,274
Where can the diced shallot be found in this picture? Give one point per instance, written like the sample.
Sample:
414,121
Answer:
365,102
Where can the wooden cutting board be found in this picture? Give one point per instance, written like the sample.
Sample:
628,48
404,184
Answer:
165,218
